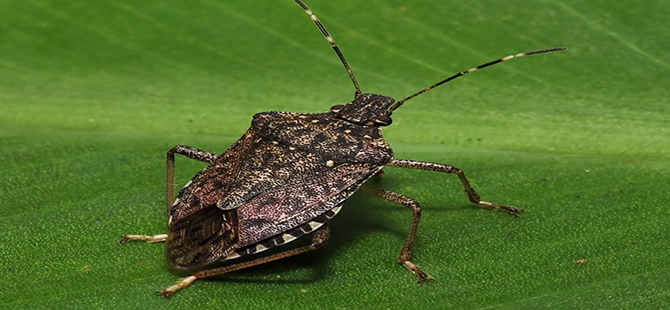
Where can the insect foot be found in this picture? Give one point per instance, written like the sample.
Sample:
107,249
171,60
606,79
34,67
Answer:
179,285
285,178
423,277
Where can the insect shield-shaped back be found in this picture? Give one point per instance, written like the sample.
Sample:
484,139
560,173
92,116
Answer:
285,177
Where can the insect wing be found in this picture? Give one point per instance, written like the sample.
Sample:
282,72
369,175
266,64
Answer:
282,209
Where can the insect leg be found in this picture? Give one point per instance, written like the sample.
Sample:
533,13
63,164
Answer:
406,253
189,152
152,239
319,239
472,194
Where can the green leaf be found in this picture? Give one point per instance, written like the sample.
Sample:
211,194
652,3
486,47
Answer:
92,95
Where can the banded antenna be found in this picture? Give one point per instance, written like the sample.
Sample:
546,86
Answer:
482,66
332,44
396,105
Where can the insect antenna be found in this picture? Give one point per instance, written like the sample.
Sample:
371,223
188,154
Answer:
332,44
462,73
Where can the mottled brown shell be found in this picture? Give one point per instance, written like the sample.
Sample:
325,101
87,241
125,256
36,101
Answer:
286,170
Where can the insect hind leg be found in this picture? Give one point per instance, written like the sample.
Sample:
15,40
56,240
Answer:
472,194
189,152
406,253
319,239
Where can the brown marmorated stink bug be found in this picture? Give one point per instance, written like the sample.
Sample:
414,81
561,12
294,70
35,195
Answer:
287,176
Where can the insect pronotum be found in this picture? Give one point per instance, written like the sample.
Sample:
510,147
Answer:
286,177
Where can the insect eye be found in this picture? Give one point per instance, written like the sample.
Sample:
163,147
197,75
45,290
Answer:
336,108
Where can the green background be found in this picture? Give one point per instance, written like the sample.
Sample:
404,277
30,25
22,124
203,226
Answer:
92,95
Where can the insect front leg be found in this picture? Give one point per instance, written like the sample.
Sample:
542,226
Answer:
406,253
319,239
189,152
472,194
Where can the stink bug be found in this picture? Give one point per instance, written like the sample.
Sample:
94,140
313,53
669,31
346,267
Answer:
287,176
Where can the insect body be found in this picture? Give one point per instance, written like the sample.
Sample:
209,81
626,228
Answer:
286,177
273,185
